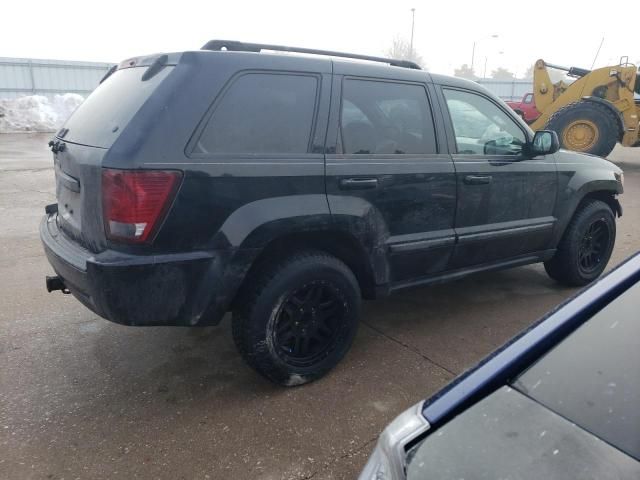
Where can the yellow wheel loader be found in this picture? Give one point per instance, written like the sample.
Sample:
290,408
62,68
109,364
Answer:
594,112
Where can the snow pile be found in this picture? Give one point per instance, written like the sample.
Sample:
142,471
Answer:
36,113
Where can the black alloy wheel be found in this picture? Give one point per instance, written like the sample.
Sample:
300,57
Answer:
586,245
308,322
297,317
594,246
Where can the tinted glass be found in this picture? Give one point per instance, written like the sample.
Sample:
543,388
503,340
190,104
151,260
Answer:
262,113
593,377
100,119
509,436
481,128
386,118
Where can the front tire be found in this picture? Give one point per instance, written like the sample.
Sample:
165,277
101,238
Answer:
586,246
297,318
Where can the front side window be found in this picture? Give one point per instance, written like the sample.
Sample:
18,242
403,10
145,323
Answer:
528,98
481,128
262,113
385,118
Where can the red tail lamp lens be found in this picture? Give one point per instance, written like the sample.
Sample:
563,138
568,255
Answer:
134,202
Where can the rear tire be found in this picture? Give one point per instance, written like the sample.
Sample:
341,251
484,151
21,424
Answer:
586,246
587,127
296,319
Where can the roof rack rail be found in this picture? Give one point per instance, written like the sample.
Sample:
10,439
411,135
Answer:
236,46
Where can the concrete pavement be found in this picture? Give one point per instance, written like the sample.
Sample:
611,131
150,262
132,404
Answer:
83,398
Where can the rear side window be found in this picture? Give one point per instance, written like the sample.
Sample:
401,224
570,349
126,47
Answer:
386,118
262,113
100,119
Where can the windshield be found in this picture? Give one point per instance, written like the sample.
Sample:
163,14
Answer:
573,414
593,377
99,120
509,436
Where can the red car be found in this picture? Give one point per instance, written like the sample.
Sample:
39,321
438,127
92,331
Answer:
526,108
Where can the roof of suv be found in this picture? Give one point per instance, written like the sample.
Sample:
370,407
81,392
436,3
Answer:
351,67
319,60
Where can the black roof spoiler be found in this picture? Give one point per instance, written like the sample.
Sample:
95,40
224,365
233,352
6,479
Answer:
236,46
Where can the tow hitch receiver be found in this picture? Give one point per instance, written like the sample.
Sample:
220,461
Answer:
56,283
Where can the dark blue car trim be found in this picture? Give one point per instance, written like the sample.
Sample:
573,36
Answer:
515,356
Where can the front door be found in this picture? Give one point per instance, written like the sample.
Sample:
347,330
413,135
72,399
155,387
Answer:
505,200
387,180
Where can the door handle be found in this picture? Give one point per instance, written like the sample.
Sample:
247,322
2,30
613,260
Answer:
358,183
478,179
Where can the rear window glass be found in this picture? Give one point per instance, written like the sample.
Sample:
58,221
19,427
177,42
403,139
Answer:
386,118
262,113
103,115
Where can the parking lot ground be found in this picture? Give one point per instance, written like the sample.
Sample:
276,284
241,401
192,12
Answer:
84,398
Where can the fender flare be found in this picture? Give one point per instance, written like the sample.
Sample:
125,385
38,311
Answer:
608,187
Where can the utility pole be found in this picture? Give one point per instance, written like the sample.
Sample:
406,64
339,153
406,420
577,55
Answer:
413,21
473,55
473,51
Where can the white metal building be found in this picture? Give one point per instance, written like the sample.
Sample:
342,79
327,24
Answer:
28,76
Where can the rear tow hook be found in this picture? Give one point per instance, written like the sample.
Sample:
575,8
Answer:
56,283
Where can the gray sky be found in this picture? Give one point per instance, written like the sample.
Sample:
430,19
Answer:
444,31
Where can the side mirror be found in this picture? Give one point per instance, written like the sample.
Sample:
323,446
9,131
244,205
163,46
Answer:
544,142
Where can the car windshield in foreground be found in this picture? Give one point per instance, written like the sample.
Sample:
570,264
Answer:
592,378
507,435
572,414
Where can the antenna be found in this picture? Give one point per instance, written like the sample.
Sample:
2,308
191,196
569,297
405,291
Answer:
597,53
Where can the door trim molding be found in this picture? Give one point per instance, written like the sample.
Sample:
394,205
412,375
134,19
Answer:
449,275
441,238
421,241
505,229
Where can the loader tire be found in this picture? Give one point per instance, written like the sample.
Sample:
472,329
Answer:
586,127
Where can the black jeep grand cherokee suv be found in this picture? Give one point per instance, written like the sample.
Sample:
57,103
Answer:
284,188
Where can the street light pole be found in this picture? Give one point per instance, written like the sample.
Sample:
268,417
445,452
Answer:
484,74
413,21
473,51
473,54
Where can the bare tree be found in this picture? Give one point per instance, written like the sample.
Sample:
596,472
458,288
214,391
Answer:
401,49
528,74
502,73
465,71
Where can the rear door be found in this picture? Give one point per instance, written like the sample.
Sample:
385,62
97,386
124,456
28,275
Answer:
505,199
385,175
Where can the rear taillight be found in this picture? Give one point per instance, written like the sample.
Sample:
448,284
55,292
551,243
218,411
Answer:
134,202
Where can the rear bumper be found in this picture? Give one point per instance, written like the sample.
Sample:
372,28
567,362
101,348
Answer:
184,289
